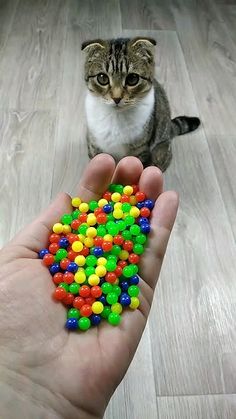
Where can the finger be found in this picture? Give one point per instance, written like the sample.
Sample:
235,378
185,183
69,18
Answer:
97,177
151,182
128,171
162,221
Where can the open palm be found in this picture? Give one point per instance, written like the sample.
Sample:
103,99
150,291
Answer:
61,373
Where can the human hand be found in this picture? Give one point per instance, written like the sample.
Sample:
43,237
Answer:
48,371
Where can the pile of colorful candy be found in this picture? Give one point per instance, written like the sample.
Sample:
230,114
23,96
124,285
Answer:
94,253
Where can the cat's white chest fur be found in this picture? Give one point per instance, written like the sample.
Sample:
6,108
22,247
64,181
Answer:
112,128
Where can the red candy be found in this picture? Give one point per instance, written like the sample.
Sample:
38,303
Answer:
72,255
86,310
133,258
140,196
75,224
48,259
58,278
78,302
102,218
54,238
97,211
98,241
68,300
53,248
111,277
107,246
128,245
68,277
83,217
59,293
64,263
118,240
107,196
84,291
72,237
96,291
145,212
124,198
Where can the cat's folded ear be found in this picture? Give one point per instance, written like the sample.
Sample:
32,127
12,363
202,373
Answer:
143,41
95,43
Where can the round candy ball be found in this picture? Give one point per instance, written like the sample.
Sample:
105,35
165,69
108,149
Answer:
72,323
114,319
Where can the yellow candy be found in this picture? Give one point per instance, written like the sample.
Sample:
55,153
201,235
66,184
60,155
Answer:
88,242
91,232
91,220
128,190
84,207
115,197
101,261
97,307
118,214
118,205
77,246
80,277
135,212
80,260
93,280
134,303
102,202
76,202
100,271
108,238
58,228
66,229
81,237
116,308
124,254
133,200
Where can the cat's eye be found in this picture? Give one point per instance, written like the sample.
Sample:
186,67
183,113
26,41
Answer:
102,79
132,79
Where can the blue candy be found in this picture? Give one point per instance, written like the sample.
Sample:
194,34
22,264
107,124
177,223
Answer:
72,324
95,319
54,268
72,267
43,252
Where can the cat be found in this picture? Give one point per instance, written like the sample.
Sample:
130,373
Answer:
127,110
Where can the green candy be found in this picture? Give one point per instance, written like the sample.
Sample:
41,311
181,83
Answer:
112,257
106,311
110,217
90,270
126,207
119,189
133,291
115,250
112,298
130,270
121,224
73,313
74,288
83,228
135,230
64,285
84,323
114,319
93,205
138,249
126,235
101,231
112,187
110,265
141,238
116,289
106,288
129,220
75,214
66,219
60,254
91,260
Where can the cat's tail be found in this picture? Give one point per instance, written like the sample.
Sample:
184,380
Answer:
183,124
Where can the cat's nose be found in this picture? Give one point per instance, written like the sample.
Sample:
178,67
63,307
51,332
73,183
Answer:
117,100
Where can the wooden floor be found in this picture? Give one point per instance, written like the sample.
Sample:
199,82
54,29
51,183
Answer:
185,367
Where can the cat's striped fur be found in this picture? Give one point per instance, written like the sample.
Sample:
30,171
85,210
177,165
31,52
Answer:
126,119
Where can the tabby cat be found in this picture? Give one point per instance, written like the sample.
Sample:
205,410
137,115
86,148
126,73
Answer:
127,109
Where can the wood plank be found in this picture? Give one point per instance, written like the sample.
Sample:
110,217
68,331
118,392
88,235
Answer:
195,299
197,407
26,157
7,12
30,66
135,398
87,20
210,51
146,14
